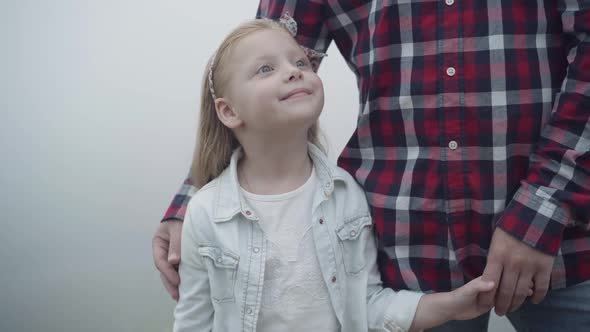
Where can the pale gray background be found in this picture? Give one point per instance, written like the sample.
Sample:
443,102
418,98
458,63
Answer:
98,104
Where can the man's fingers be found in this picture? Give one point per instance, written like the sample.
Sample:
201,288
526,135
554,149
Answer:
160,251
492,272
505,292
175,232
541,281
166,252
172,290
170,272
523,286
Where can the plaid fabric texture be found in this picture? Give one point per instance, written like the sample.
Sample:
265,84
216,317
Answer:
473,115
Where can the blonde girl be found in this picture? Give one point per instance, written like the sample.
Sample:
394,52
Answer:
278,238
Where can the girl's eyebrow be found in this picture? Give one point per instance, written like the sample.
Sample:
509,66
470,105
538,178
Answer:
263,57
269,57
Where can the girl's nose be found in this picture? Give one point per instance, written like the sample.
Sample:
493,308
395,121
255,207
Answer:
294,74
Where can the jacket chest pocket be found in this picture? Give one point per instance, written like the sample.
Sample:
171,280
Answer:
222,267
353,236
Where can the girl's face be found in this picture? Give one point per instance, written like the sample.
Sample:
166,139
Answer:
271,85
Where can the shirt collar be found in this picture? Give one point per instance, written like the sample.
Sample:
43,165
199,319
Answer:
230,201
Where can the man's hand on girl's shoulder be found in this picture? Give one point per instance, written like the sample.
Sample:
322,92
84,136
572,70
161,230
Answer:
166,251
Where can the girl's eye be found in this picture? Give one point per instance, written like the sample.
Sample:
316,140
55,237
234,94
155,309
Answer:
301,63
265,69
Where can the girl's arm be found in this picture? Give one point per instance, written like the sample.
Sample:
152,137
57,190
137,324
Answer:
194,310
387,310
414,311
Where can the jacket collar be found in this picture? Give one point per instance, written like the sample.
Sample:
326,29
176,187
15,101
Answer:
229,200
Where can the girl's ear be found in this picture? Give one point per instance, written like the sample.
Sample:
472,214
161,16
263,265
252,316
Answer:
226,113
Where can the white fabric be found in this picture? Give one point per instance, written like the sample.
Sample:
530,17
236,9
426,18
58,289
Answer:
294,296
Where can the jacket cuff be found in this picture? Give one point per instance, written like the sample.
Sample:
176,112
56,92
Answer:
401,311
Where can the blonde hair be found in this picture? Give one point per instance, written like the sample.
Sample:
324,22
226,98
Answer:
215,142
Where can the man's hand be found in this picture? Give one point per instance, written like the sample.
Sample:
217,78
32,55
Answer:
515,268
166,251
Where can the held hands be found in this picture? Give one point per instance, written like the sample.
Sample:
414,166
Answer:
515,268
463,302
438,308
166,251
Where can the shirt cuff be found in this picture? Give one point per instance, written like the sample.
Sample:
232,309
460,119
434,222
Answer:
177,208
401,311
176,213
534,219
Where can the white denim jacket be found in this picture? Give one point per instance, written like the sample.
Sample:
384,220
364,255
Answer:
224,252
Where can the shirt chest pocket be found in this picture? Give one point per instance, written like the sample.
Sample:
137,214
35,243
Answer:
353,236
222,267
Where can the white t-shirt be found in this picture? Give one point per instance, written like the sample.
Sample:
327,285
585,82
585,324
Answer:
294,296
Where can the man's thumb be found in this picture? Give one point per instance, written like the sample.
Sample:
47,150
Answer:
174,248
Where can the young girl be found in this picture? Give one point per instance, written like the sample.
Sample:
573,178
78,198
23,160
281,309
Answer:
278,238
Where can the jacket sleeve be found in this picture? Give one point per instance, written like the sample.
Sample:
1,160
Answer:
556,192
387,310
194,310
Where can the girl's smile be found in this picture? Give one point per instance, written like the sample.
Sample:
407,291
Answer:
297,93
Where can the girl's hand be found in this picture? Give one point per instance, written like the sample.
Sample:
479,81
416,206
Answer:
461,304
438,308
463,300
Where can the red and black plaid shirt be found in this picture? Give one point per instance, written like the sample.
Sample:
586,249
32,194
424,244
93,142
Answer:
473,114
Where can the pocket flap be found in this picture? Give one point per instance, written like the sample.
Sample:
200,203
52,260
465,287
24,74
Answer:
352,229
220,258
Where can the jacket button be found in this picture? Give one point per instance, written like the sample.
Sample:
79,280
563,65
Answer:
333,279
321,221
248,213
256,250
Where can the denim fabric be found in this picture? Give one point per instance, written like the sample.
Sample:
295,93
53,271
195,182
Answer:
224,251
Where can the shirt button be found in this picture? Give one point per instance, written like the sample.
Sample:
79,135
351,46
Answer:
321,221
451,71
218,260
453,145
352,233
256,250
249,311
449,2
333,279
